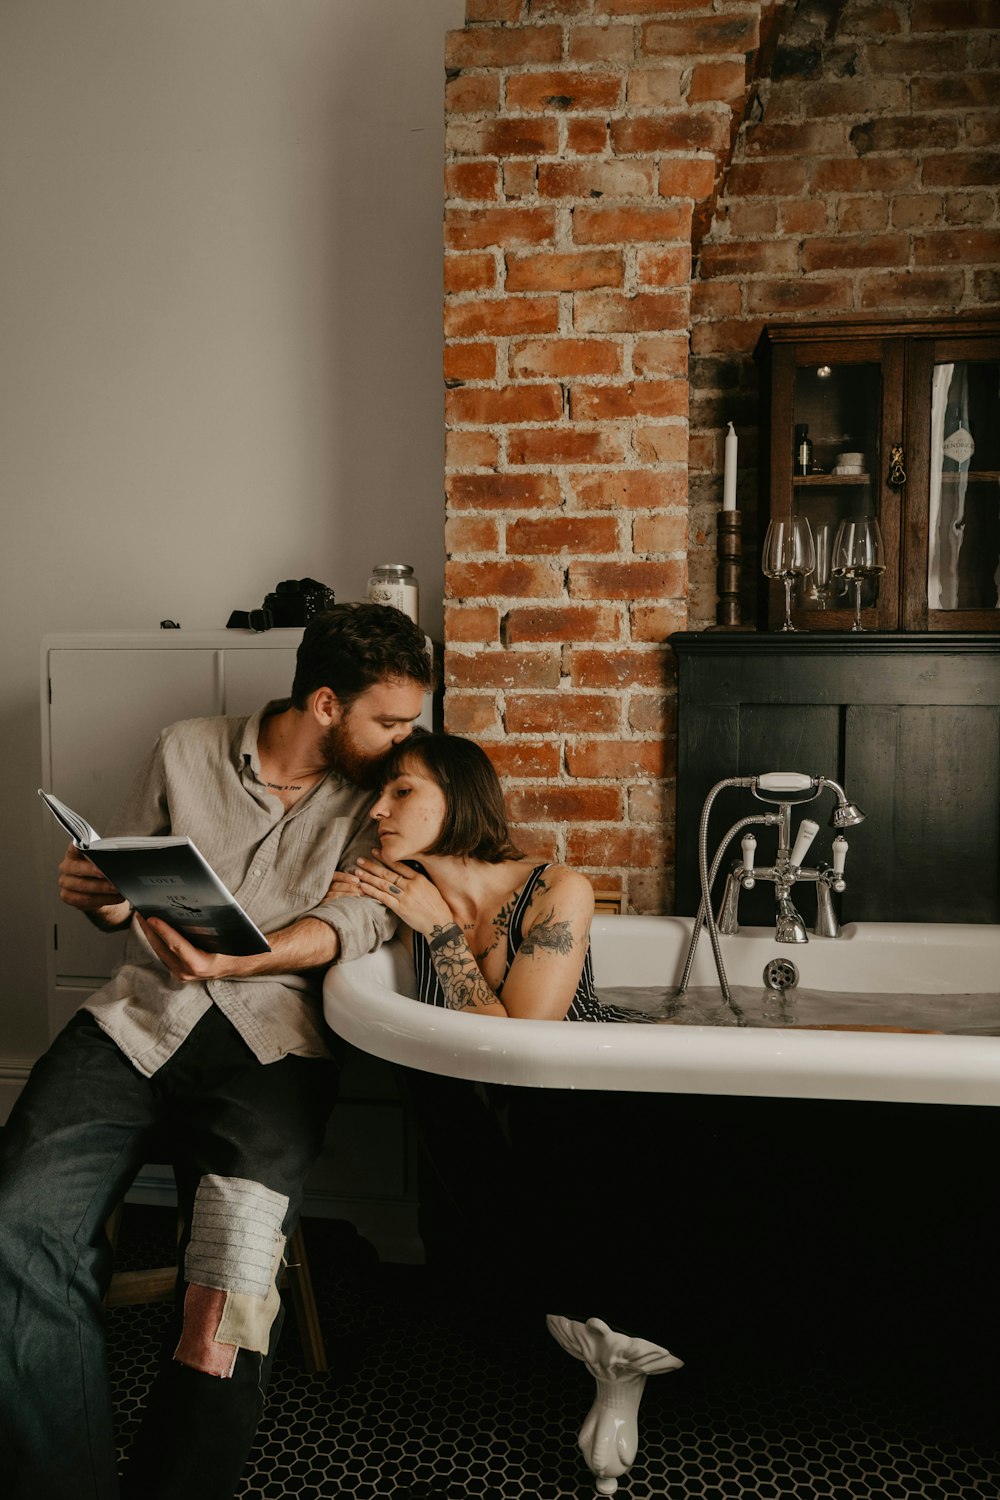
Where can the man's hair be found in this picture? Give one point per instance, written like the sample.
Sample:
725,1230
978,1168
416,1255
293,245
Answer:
475,825
351,647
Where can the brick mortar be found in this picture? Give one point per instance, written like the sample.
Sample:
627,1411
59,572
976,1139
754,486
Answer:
731,307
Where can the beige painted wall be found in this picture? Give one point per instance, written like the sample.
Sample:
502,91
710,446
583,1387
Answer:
220,288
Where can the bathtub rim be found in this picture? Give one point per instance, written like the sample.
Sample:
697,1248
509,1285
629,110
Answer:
361,1007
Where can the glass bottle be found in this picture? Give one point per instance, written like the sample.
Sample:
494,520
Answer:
394,584
803,449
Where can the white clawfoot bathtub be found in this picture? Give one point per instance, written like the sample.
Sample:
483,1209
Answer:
368,1003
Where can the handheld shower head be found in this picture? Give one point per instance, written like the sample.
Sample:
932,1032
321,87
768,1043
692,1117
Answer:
846,814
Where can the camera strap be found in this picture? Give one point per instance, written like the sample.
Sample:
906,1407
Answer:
250,619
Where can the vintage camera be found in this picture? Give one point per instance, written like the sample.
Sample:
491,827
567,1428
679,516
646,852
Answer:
293,602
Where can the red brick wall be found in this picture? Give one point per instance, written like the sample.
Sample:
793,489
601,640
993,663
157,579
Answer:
863,183
588,143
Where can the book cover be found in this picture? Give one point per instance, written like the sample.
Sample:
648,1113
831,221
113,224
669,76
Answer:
167,877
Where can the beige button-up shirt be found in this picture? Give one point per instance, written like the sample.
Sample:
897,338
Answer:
202,779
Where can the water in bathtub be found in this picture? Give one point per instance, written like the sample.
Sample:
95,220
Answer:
964,1015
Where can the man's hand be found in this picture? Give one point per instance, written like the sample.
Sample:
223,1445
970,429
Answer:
82,885
183,959
343,884
307,944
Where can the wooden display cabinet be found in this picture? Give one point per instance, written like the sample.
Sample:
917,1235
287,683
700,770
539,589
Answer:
908,723
903,422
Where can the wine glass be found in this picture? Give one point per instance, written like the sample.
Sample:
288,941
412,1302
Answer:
789,553
821,573
858,553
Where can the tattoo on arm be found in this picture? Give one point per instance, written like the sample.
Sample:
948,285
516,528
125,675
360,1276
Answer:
548,936
463,985
441,936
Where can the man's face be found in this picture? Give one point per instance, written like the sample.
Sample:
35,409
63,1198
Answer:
379,718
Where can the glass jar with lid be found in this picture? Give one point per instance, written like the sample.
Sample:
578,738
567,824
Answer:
394,584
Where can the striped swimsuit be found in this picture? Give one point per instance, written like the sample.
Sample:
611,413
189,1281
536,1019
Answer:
585,1007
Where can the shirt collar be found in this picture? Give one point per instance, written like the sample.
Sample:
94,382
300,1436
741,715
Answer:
247,755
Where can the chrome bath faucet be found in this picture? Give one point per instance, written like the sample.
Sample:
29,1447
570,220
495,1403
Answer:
788,867
785,790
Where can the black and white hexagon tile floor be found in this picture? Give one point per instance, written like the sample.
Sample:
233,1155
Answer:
426,1400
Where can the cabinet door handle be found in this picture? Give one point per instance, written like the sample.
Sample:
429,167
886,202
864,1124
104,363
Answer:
896,476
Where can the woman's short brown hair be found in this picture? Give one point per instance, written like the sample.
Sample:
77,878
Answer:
475,825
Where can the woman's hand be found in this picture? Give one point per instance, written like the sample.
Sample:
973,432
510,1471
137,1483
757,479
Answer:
414,898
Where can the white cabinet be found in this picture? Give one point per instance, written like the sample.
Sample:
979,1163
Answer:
104,700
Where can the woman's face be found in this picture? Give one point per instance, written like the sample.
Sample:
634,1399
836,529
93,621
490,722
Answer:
410,813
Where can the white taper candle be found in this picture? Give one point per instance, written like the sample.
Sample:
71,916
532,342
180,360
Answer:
729,474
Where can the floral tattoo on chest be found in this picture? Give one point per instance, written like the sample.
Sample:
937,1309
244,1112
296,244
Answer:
500,928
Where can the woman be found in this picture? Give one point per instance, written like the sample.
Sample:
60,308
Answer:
495,934
490,931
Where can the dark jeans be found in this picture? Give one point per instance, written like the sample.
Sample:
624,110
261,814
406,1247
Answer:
83,1126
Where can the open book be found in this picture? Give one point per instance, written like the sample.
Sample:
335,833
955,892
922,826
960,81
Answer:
167,877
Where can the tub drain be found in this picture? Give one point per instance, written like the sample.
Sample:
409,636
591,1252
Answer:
781,974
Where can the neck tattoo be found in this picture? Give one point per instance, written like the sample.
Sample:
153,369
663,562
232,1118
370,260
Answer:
288,786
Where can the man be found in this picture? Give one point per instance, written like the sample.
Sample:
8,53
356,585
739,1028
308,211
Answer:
225,1059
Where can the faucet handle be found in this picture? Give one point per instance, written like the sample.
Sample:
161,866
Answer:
785,781
803,840
840,847
749,846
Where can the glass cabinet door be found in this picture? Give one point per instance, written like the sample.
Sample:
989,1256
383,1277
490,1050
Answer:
836,415
963,531
899,422
952,575
836,458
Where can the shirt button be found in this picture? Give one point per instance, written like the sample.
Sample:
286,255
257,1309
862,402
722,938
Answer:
254,872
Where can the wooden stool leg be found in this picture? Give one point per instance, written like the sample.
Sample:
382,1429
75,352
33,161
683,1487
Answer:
113,1226
131,1288
304,1302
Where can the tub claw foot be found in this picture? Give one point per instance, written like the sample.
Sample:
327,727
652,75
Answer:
609,1437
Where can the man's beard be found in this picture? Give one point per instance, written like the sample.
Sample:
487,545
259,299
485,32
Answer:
343,757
